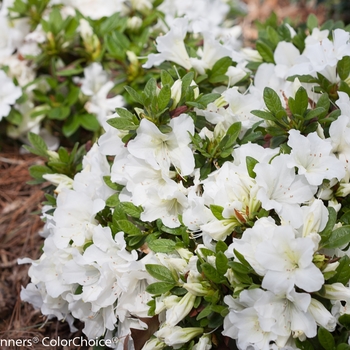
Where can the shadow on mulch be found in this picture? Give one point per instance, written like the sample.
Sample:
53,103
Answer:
20,324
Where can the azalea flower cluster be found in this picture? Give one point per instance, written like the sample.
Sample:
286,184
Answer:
64,64
215,214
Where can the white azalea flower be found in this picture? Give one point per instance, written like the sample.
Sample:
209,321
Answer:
161,150
9,93
280,189
288,261
75,222
171,46
314,158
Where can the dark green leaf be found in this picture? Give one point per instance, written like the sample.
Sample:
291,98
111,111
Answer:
131,209
338,237
129,228
159,287
221,246
251,162
162,245
264,115
343,67
342,272
344,320
272,100
326,339
164,97
219,69
265,51
211,273
110,184
221,263
160,272
37,171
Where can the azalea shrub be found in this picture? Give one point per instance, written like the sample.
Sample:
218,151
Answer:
213,211
64,64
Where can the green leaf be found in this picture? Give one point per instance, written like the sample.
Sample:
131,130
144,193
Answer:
159,288
273,36
301,102
113,200
314,113
251,162
312,22
162,245
264,115
122,123
39,145
219,69
221,263
114,186
217,211
343,346
211,273
272,100
186,82
343,67
160,272
332,218
150,88
129,228
70,72
204,100
344,320
265,51
166,78
89,122
204,313
135,96
338,238
305,345
59,113
131,209
241,258
342,272
306,78
221,246
240,268
326,339
164,97
37,171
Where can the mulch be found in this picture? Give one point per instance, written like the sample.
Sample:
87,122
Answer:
20,223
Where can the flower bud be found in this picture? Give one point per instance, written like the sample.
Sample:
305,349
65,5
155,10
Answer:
134,23
176,93
154,344
336,291
177,336
178,312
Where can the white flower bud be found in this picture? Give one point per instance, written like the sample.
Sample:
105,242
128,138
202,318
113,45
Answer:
176,92
336,291
154,344
178,312
134,23
321,315
176,336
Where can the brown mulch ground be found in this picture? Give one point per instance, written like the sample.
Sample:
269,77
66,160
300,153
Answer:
19,226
